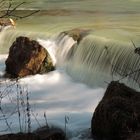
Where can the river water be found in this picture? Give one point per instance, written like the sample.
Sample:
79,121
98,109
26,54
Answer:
77,85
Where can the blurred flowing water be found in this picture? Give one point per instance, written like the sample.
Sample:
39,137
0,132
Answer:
82,70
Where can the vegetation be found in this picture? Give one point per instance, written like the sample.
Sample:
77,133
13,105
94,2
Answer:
20,105
8,9
17,97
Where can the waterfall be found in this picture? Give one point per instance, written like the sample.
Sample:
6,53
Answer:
64,45
97,59
94,61
58,47
7,37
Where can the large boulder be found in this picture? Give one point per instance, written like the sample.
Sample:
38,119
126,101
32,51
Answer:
27,57
135,136
117,116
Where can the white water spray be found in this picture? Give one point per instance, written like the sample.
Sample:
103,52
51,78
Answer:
50,46
58,49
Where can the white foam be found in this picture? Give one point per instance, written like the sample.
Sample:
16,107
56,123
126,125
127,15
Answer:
58,95
50,47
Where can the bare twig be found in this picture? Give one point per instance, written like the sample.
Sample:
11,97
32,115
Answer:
20,17
45,116
129,74
35,116
66,122
28,113
5,119
18,108
133,44
9,12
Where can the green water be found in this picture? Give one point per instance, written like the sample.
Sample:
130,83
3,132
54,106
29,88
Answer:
115,19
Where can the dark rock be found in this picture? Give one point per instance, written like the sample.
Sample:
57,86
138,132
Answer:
27,57
117,116
40,134
50,133
19,136
135,137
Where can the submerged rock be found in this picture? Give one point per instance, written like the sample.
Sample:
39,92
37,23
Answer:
27,57
117,117
77,34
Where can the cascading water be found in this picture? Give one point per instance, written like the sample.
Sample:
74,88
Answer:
7,37
92,61
94,58
104,60
58,47
83,70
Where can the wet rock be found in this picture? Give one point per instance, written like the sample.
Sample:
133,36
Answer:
27,57
77,34
117,116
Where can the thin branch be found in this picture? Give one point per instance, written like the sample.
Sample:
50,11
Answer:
5,119
35,118
133,44
18,107
9,12
129,74
20,17
10,5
